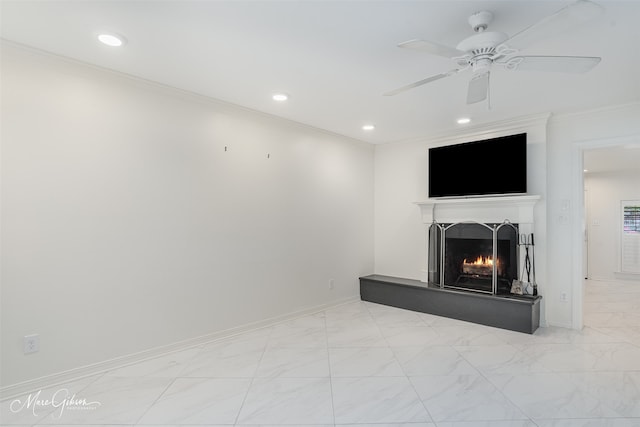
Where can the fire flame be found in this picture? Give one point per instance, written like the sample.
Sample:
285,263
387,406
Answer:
481,260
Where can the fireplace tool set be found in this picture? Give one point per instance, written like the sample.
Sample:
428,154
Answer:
520,286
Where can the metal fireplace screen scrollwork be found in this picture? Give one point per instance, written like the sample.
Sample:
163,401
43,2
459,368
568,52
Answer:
473,256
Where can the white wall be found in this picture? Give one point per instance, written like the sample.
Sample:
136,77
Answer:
126,226
605,191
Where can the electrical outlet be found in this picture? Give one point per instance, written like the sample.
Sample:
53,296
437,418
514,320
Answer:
563,297
331,283
31,343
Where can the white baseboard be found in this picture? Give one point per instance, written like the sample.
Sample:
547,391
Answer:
30,386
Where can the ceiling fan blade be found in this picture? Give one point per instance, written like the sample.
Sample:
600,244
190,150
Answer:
560,64
421,82
566,19
431,47
478,88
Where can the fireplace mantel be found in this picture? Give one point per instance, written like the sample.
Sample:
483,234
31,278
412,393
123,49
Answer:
516,209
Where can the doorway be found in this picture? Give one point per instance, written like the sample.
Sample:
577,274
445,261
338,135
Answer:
606,156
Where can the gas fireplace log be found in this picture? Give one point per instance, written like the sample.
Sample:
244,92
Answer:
478,270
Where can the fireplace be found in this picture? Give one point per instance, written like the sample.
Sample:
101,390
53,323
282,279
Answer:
473,253
473,256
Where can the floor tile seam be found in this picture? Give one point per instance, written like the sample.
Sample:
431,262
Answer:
391,348
614,339
266,377
331,398
359,377
591,371
427,345
253,378
342,347
419,320
432,343
526,417
478,370
554,347
477,374
635,344
384,338
505,344
624,313
156,400
547,419
395,348
567,376
202,346
186,363
499,390
377,327
611,372
603,357
422,402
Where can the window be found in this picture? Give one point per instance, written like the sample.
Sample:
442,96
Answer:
631,219
630,241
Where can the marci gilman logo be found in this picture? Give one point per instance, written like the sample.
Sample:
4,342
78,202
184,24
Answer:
60,401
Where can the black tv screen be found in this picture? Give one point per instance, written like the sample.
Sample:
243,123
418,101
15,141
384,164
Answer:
496,166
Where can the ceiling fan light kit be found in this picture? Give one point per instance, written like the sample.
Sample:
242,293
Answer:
483,49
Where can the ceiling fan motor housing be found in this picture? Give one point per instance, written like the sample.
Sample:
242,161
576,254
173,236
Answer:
480,48
482,41
479,21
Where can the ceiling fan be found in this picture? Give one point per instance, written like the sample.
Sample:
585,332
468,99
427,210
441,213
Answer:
485,49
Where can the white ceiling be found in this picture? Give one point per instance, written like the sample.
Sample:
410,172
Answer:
336,58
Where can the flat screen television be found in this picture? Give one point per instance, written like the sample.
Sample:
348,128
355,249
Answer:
489,167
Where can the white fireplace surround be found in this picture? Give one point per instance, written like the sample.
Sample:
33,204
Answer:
485,210
515,209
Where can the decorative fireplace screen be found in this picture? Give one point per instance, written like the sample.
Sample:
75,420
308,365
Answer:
473,256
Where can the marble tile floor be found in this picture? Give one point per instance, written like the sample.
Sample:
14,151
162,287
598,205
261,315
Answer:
366,365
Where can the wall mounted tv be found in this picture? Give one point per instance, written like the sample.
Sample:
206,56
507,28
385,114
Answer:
489,167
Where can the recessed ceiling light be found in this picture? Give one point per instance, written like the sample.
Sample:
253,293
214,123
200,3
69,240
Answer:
111,39
280,97
585,170
463,120
368,127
